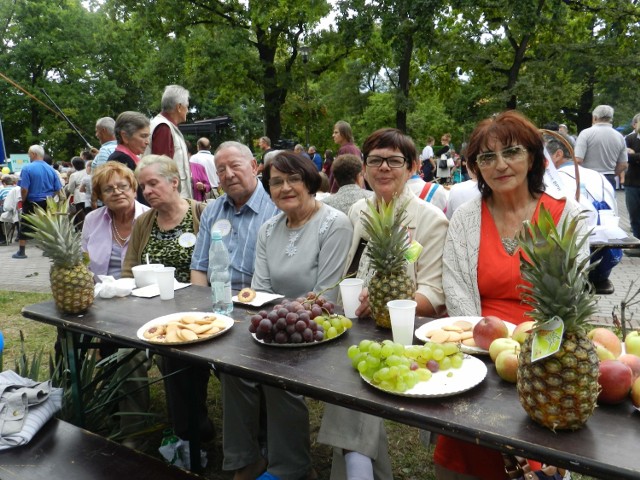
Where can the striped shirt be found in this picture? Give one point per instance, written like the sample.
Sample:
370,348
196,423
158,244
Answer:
239,232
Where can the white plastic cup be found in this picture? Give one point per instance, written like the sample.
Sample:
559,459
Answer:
145,273
608,219
164,277
350,289
403,315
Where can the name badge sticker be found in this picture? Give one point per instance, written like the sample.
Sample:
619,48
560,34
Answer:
223,226
187,240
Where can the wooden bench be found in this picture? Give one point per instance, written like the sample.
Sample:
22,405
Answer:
63,451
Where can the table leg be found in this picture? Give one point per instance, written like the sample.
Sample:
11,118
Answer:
74,371
194,428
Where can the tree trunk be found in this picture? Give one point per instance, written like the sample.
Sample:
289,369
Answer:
274,95
585,105
402,98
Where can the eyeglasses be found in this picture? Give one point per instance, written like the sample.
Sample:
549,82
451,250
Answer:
509,155
292,180
123,188
394,161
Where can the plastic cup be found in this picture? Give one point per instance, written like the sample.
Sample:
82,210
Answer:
145,274
608,219
164,277
350,289
403,315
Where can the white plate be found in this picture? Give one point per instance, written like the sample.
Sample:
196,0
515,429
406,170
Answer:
177,316
260,299
447,382
299,345
441,322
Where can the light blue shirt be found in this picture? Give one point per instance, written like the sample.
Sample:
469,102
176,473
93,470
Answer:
106,149
239,232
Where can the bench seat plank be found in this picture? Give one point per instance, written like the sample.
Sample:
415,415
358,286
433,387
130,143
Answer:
63,451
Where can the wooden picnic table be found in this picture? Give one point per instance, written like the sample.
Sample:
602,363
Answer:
489,414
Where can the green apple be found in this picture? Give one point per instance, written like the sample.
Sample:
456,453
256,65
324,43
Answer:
632,343
501,344
603,353
507,365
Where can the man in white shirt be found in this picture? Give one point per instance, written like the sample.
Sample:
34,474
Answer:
594,190
601,147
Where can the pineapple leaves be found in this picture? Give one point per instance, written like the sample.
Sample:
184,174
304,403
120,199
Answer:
555,274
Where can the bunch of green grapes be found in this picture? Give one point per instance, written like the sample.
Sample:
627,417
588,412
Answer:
394,367
333,324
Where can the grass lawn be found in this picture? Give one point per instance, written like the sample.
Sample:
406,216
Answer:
411,460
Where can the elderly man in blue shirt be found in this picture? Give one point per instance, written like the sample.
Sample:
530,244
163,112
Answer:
238,216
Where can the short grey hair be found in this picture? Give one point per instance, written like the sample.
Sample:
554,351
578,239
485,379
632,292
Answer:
272,154
603,112
553,144
106,123
8,180
129,123
172,96
242,148
636,122
167,167
37,150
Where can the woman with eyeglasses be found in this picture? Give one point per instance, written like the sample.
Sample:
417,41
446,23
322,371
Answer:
300,250
106,231
359,440
105,237
166,234
481,273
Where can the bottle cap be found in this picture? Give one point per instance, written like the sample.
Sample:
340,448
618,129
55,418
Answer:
216,235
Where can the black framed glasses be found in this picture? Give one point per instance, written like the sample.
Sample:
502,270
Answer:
394,161
509,155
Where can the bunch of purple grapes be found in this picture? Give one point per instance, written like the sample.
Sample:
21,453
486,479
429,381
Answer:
292,321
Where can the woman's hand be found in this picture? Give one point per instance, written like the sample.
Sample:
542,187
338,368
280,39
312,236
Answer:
200,186
364,310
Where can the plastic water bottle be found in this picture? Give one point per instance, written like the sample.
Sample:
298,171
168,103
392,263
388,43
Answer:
219,275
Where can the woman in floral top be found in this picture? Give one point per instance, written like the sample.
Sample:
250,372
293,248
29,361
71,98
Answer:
167,235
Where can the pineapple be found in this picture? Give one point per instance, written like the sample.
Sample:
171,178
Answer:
558,391
386,250
54,233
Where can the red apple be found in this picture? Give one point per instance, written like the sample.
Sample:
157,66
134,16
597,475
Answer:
521,332
632,343
501,344
632,362
487,330
615,379
507,365
635,393
607,339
